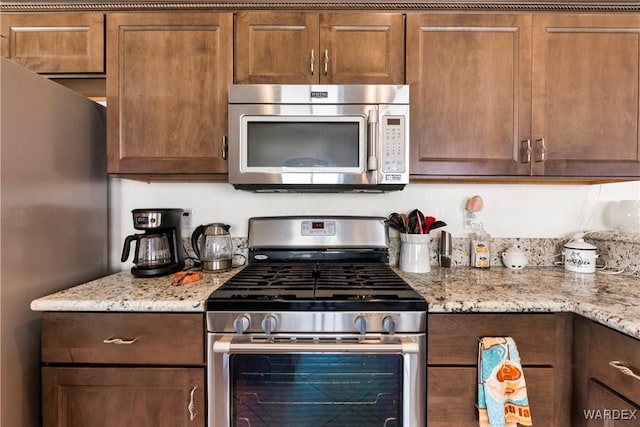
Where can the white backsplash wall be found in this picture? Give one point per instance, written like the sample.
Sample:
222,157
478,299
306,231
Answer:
510,210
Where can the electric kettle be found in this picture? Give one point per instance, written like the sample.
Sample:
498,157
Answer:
212,245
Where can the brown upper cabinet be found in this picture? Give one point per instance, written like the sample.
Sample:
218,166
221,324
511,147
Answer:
54,43
519,95
167,92
310,47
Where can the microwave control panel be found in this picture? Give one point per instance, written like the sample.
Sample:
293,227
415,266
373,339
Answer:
393,144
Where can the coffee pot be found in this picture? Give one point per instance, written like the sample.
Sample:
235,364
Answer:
213,247
158,251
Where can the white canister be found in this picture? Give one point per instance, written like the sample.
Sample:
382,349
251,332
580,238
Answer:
580,256
414,253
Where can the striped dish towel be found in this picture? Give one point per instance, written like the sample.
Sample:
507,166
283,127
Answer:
502,391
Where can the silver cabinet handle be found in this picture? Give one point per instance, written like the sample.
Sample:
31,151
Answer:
312,60
119,341
525,151
626,370
541,150
192,405
326,61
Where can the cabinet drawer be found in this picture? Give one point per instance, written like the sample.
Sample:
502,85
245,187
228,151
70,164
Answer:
608,345
607,409
452,396
453,338
127,338
55,43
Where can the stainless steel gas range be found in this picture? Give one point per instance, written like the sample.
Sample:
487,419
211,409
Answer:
317,330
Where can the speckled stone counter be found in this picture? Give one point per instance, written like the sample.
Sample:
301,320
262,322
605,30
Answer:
613,300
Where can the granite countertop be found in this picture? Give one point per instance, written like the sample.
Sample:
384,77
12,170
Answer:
612,300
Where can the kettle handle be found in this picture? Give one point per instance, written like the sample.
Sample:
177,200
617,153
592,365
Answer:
194,239
127,246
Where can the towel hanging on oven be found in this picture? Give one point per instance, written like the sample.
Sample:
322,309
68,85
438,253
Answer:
502,391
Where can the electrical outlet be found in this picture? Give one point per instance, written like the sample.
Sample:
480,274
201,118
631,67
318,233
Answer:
185,222
471,220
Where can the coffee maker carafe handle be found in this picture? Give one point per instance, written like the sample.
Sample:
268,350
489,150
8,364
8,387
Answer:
127,246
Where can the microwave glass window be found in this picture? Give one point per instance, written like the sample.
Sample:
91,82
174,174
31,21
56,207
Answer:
303,144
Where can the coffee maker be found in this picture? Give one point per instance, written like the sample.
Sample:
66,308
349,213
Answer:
158,250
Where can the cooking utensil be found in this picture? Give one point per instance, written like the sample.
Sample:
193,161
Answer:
396,221
437,224
417,223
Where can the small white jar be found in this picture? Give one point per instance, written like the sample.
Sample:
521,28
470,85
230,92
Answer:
580,256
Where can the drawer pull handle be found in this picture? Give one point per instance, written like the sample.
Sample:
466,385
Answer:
192,405
119,341
624,369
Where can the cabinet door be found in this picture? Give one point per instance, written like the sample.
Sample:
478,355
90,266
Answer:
470,78
452,394
607,409
307,48
117,397
586,108
167,92
55,43
277,47
362,48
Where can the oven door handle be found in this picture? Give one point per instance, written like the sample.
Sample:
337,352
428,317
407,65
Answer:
229,344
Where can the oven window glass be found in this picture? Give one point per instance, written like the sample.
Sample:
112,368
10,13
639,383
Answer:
316,390
303,145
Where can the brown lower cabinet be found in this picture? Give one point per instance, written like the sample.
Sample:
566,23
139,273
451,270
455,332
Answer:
123,396
606,377
123,369
544,343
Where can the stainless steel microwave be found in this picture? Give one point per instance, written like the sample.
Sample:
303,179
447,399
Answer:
318,137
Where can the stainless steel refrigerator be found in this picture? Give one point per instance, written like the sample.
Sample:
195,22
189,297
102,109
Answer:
53,219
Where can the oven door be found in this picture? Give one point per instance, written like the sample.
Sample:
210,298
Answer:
311,381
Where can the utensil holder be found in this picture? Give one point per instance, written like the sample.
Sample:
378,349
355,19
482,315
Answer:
414,253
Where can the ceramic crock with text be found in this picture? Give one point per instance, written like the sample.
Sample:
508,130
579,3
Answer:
579,256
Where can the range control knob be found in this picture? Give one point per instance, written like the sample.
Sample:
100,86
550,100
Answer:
241,324
269,324
389,325
361,323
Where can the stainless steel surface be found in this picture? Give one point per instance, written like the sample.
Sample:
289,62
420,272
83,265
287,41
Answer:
321,322
318,232
380,111
318,94
412,347
446,249
53,218
356,308
213,246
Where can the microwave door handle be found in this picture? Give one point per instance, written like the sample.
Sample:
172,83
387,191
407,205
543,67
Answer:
372,140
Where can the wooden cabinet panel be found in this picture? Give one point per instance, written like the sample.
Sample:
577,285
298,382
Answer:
607,409
586,82
116,397
544,343
273,47
470,93
452,394
362,48
307,47
167,92
55,43
146,338
612,346
453,339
